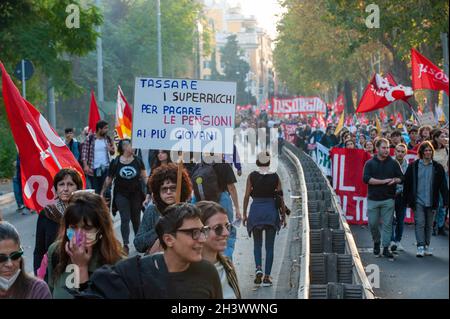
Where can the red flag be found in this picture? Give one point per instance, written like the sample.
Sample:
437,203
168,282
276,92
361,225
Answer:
338,105
399,118
42,152
426,75
381,92
94,115
123,116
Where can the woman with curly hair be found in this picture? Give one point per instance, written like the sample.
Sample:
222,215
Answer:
86,241
163,183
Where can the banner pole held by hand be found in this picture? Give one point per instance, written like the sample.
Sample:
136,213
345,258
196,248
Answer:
179,176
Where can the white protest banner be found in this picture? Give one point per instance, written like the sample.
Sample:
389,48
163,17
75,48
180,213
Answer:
427,119
184,115
323,159
297,105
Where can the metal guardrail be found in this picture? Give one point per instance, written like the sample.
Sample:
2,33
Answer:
359,277
359,273
304,282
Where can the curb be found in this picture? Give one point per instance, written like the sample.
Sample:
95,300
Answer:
7,198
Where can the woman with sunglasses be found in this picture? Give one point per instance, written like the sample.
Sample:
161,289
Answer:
66,182
162,158
215,217
162,183
128,173
86,241
15,283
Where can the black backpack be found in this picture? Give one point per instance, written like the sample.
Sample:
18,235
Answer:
205,183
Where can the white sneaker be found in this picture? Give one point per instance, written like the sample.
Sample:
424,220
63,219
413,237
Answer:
399,246
420,251
428,251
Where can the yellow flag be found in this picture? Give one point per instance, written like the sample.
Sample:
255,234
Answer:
340,124
377,121
442,118
412,118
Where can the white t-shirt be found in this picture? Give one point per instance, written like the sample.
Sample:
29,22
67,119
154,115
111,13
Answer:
100,153
227,291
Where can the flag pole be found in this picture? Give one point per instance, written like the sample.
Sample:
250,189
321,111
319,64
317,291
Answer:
412,110
179,181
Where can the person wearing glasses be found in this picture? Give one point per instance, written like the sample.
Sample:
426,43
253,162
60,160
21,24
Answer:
66,182
163,184
215,217
86,241
180,272
129,174
15,283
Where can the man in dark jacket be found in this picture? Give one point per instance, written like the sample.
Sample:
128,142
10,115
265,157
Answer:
329,139
424,180
382,173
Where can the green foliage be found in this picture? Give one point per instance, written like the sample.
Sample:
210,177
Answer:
325,42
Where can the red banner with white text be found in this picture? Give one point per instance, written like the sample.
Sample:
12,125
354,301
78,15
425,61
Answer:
347,166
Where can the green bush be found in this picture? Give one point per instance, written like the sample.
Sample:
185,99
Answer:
7,149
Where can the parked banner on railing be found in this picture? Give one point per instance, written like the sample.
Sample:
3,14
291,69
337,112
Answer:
323,159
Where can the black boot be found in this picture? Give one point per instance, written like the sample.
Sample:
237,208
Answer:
435,230
441,231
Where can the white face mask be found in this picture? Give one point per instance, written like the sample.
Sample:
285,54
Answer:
5,284
91,238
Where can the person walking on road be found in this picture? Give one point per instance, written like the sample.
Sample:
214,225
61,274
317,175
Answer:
163,183
424,181
66,182
129,174
262,186
400,208
382,173
215,217
15,283
95,155
440,144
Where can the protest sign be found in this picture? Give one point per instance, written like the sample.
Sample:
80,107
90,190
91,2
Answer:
184,115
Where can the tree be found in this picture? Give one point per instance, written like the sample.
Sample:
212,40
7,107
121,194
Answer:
236,69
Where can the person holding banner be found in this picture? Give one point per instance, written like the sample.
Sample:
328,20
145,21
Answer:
368,147
422,197
382,173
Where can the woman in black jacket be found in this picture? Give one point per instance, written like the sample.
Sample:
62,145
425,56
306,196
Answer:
418,180
66,181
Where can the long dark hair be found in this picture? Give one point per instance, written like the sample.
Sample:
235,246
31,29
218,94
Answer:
435,134
87,207
157,162
21,287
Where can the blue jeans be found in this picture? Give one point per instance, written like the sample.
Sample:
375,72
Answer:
257,248
399,219
423,217
17,187
225,202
